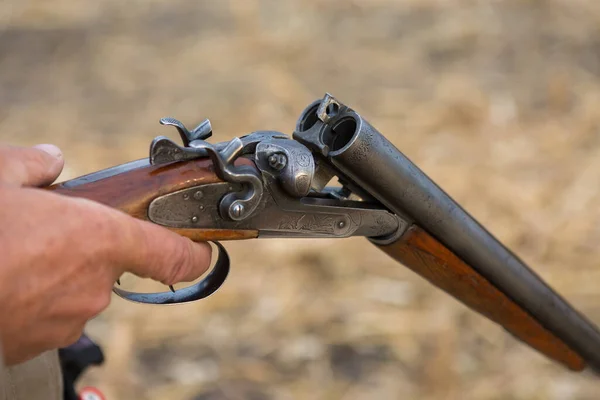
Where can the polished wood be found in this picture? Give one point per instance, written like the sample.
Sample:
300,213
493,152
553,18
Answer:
132,192
201,235
426,256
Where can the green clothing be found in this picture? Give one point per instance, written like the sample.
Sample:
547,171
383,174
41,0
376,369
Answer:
36,379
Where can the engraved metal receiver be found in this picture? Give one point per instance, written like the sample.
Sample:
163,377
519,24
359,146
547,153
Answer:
270,185
280,194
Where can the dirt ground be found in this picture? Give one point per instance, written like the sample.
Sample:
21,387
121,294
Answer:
498,101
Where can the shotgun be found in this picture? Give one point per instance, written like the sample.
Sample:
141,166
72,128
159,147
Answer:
269,185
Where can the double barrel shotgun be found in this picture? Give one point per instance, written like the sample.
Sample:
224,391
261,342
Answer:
269,185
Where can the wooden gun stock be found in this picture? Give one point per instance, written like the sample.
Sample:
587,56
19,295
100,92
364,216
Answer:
423,254
134,189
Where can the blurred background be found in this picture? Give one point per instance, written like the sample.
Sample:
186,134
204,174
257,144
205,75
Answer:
498,101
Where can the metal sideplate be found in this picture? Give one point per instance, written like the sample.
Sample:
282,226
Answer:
277,215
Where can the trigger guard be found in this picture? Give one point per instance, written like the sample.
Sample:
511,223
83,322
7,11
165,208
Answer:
198,291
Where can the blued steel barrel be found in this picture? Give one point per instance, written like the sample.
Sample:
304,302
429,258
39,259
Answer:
366,158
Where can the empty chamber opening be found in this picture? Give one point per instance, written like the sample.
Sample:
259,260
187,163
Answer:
309,119
341,134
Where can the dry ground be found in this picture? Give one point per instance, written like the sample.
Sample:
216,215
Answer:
497,100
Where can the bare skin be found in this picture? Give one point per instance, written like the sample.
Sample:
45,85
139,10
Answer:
59,256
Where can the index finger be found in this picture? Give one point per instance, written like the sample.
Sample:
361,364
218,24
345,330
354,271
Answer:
157,253
144,248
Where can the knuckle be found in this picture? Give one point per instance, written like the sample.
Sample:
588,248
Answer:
103,232
87,233
181,256
162,255
106,238
142,254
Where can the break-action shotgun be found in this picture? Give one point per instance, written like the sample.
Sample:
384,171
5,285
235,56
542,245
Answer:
267,184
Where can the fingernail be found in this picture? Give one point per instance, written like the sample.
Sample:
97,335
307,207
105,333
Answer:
50,149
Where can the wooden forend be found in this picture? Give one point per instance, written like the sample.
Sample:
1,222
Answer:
423,254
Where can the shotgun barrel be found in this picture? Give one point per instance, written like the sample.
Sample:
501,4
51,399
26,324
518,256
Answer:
369,161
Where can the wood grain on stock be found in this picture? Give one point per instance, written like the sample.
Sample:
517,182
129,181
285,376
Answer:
423,254
132,191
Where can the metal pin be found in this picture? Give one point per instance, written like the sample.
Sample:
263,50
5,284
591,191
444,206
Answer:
194,219
237,210
277,161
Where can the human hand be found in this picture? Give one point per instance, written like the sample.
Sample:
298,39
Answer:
60,256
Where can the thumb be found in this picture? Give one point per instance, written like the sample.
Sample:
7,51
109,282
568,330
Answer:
30,166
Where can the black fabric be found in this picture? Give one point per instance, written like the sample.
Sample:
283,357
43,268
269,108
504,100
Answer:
74,360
